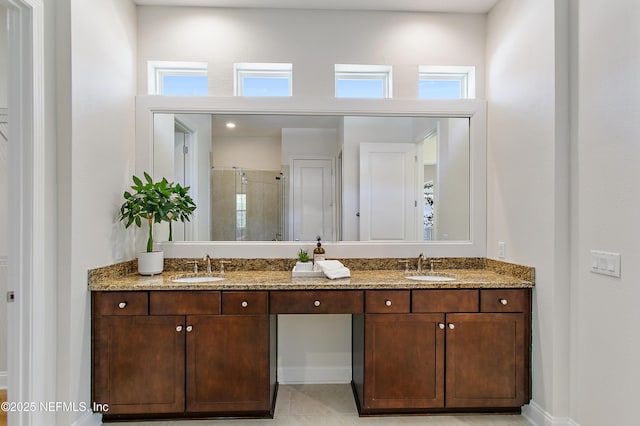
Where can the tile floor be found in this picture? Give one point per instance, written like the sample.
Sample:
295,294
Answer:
333,405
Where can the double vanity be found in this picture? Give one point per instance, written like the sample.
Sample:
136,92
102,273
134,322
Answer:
183,345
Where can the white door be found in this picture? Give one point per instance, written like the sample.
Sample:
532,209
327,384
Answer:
312,199
388,192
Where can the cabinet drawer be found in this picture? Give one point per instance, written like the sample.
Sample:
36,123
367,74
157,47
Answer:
504,300
316,302
245,302
445,301
387,301
121,303
184,302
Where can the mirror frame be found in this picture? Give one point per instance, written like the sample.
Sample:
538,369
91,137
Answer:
475,110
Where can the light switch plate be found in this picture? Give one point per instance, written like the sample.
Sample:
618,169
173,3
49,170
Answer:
501,249
605,263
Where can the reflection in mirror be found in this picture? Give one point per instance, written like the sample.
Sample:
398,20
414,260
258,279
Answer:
297,177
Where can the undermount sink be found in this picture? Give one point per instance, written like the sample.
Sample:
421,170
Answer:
196,279
431,278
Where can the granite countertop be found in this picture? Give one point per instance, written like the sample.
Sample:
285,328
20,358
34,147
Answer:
282,280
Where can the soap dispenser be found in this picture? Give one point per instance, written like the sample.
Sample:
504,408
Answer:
318,252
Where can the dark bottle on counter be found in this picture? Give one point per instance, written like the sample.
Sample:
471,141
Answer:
318,252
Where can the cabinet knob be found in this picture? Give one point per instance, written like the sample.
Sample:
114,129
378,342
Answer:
441,326
451,326
388,302
503,301
244,304
189,328
122,305
316,303
179,328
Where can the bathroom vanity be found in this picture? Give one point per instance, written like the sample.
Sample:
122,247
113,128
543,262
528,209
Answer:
162,349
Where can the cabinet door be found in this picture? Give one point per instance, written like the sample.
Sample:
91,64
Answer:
486,360
228,363
138,364
404,361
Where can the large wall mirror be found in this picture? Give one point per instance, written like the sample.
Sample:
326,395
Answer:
370,177
273,177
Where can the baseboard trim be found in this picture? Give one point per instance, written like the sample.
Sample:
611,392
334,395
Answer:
89,419
4,380
313,375
537,416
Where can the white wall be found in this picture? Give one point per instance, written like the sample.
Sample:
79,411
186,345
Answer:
251,152
452,184
97,52
527,182
4,48
605,311
309,142
359,130
313,41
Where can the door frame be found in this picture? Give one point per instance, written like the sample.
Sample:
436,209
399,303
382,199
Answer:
30,361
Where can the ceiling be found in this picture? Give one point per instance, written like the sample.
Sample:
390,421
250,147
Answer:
451,6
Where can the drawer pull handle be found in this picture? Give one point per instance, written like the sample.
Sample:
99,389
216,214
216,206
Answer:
179,328
122,305
503,301
451,326
316,303
189,328
441,326
388,302
244,304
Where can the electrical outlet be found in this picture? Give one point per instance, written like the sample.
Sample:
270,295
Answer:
501,254
605,263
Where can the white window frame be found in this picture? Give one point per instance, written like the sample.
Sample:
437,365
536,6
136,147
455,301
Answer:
157,70
260,70
466,75
365,72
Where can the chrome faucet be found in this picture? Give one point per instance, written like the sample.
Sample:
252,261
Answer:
420,259
207,258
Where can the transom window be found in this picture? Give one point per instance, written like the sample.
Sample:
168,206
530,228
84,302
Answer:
262,79
362,81
177,78
446,82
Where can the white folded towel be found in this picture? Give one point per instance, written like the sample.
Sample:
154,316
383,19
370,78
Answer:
333,269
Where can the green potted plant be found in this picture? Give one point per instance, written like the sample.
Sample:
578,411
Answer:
181,206
304,262
149,202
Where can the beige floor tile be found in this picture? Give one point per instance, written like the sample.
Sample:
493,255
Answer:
334,405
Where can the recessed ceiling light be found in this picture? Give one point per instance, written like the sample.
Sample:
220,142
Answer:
231,125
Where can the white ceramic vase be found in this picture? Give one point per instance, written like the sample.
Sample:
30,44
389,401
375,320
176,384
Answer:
150,263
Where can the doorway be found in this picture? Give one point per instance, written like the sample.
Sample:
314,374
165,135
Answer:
30,317
4,201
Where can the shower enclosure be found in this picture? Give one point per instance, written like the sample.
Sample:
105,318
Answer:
247,204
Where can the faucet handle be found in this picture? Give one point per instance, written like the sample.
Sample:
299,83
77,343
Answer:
222,262
406,265
195,266
432,261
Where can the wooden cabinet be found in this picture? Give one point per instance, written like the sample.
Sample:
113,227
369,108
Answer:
182,354
138,364
486,360
182,358
404,361
455,350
